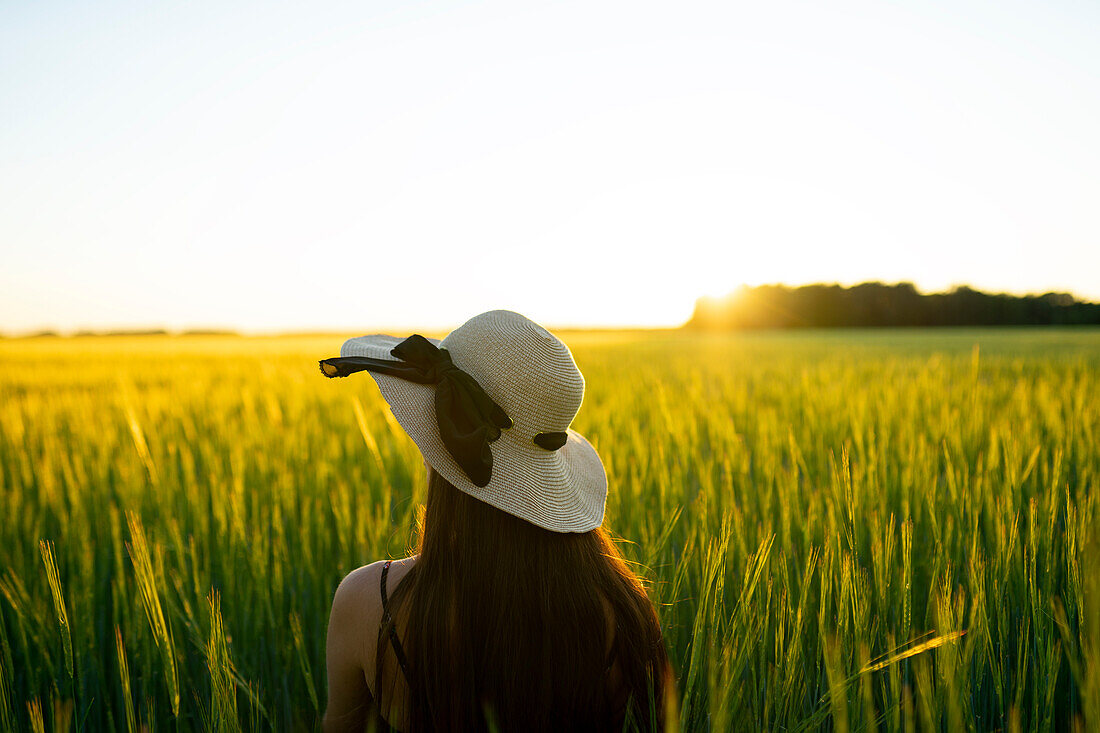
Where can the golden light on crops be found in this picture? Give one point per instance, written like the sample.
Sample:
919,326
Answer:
816,513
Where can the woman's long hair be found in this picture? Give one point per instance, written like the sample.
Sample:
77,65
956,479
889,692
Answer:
504,628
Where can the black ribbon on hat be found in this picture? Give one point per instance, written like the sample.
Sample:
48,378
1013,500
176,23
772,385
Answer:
551,441
468,418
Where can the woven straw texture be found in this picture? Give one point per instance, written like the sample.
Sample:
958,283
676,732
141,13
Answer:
530,373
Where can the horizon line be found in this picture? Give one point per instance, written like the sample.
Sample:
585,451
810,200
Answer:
46,331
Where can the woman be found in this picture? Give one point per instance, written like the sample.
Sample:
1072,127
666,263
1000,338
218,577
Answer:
517,613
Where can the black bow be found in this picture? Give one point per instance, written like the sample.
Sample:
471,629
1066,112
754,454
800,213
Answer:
551,441
468,418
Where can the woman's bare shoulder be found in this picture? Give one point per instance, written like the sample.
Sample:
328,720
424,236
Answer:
356,606
358,596
357,613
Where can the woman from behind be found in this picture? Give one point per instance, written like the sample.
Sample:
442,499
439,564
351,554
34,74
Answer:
517,613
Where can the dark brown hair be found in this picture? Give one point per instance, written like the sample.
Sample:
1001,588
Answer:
508,626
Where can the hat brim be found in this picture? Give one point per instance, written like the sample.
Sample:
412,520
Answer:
564,490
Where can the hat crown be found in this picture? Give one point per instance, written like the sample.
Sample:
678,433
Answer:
523,367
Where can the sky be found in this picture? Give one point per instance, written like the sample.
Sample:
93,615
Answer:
401,165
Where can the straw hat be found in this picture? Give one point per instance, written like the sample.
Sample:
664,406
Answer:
489,407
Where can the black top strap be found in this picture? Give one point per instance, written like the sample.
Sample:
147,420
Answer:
387,623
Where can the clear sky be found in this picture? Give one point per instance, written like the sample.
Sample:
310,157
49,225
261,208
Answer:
365,165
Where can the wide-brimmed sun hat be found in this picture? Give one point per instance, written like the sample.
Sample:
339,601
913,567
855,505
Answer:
489,407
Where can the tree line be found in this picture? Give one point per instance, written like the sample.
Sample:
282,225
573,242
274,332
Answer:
877,304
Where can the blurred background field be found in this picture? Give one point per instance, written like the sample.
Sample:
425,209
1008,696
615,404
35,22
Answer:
843,530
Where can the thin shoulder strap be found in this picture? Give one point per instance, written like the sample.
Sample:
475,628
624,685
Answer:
387,622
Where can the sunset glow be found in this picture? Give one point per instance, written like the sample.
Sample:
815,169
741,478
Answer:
385,165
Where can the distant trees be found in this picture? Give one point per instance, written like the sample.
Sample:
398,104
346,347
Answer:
877,304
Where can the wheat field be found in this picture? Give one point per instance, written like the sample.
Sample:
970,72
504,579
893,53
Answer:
842,530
